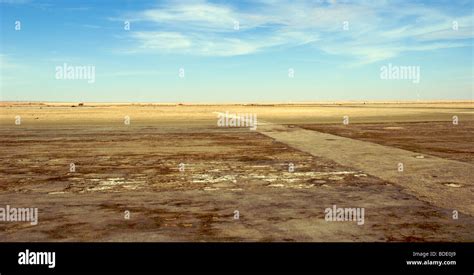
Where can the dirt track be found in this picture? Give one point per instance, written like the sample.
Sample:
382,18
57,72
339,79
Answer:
441,182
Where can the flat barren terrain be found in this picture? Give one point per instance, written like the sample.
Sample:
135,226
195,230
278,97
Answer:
167,172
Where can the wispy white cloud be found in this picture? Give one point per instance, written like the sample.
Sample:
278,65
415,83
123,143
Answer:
377,30
162,40
198,16
213,45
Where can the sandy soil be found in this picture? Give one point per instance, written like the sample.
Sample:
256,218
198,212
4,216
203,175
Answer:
136,168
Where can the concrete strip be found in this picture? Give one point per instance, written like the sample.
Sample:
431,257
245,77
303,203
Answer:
441,182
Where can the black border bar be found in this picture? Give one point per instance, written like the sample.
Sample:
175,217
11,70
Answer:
237,257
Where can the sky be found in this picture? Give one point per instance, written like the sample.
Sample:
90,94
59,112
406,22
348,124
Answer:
235,51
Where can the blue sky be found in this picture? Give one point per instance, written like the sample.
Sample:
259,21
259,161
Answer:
225,64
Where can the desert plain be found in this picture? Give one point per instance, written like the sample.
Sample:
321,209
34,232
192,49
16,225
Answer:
166,172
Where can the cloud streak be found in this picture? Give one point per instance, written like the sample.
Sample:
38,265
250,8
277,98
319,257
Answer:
375,30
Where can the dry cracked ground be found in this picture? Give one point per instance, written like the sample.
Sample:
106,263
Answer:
181,178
